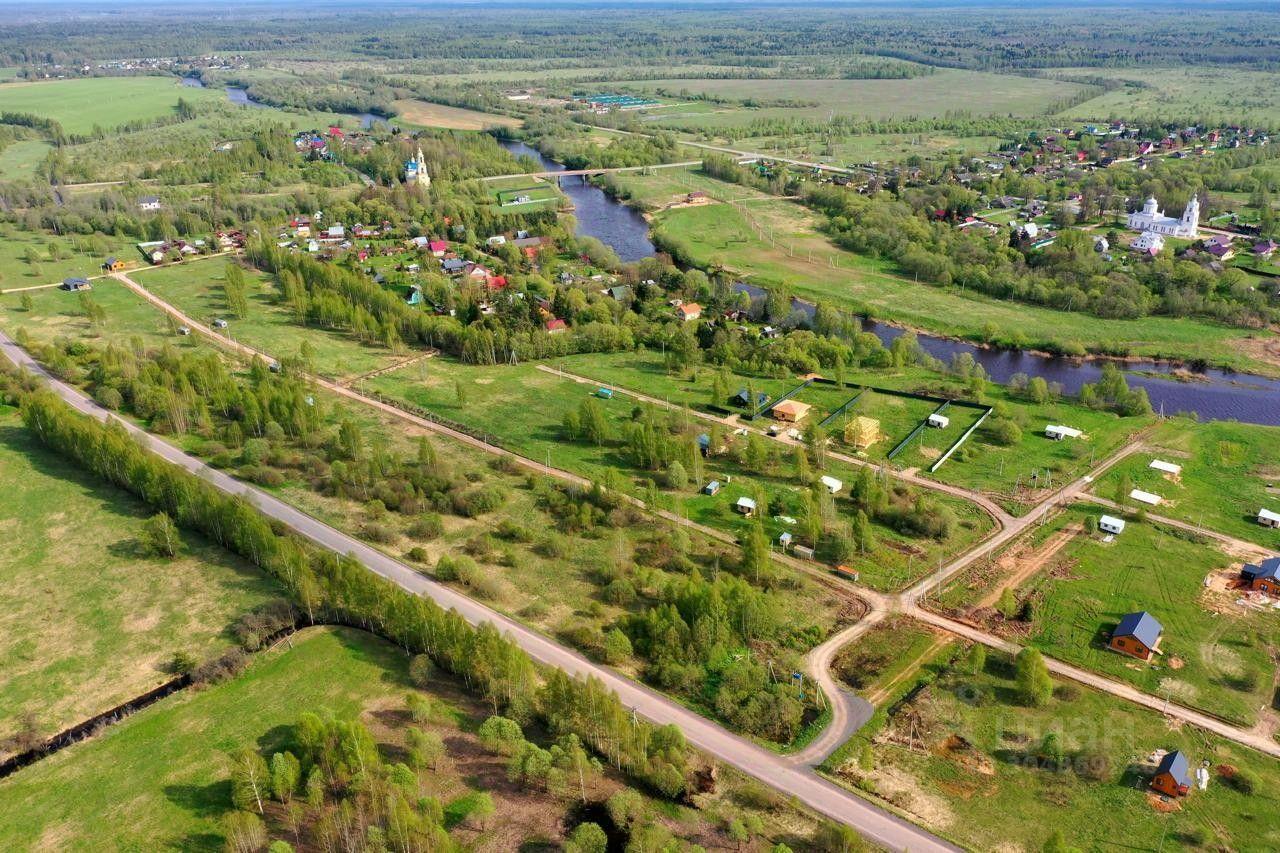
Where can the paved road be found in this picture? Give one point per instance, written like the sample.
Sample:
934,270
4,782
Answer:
776,771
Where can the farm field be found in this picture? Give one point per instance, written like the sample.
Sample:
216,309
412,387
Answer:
865,148
196,290
801,259
1222,95
523,408
1229,472
92,621
925,97
1076,586
427,114
26,261
106,102
961,754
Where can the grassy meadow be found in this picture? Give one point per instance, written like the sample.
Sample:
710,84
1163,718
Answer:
92,621
80,105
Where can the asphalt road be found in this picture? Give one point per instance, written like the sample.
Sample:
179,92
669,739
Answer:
776,771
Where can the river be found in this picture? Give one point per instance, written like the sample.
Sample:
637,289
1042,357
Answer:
598,215
240,96
1212,394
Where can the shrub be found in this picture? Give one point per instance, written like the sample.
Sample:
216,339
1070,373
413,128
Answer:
452,567
427,526
376,531
620,592
418,554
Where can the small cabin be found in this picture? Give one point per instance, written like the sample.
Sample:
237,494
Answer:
1267,518
1057,432
803,551
784,540
743,398
1111,524
1166,467
831,484
113,264
1263,577
75,283
711,488
849,574
1138,636
938,421
745,506
604,393
184,331
1173,775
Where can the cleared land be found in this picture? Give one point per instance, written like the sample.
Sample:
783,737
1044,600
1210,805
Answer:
91,620
928,96
1214,651
793,253
106,102
962,754
18,161
427,114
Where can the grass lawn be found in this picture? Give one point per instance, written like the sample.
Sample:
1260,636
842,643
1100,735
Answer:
1215,652
807,264
16,271
196,290
83,104
879,658
91,621
959,757
523,408
1229,472
426,114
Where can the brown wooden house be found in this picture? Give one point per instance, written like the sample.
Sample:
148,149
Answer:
1137,635
1173,775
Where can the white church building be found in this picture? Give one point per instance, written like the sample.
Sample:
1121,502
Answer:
415,171
1151,219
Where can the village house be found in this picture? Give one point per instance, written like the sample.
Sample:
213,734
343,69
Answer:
743,398
149,203
75,283
1265,249
1111,525
1263,577
689,311
1173,775
113,264
555,326
1148,243
745,506
1138,636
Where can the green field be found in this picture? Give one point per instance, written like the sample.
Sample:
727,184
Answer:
103,102
18,270
928,96
1214,652
1211,94
807,264
878,147
196,290
91,621
1229,471
960,757
171,759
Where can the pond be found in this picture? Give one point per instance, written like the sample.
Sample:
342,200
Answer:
609,221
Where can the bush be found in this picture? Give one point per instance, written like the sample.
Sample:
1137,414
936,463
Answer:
620,592
427,526
418,554
479,501
514,531
452,567
376,531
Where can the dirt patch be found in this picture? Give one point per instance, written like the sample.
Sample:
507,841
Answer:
1161,803
451,118
904,791
959,750
1023,562
1261,349
1176,663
